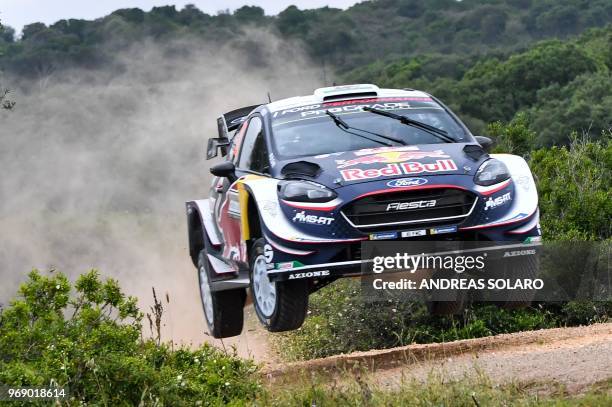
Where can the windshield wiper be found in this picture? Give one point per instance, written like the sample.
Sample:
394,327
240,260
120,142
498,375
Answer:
434,131
345,127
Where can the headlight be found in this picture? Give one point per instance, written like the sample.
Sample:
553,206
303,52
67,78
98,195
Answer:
305,191
491,172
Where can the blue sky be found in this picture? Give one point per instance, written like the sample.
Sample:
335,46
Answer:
17,13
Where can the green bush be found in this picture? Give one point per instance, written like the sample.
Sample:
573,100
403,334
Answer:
513,138
91,342
575,189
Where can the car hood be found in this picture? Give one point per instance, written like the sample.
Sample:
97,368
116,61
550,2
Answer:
350,167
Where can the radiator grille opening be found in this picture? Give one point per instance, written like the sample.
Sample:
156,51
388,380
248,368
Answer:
429,206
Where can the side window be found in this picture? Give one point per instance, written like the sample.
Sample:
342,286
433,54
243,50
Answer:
254,154
236,141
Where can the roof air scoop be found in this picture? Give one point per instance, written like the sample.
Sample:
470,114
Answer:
347,91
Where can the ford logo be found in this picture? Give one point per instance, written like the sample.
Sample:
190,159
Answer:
406,182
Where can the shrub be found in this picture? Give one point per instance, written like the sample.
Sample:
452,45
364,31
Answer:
514,137
575,189
91,342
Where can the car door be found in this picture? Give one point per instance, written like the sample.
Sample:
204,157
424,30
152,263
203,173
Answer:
251,158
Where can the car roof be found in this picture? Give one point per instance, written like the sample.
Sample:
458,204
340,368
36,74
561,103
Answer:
337,93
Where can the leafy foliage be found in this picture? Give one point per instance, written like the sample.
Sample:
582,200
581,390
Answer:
91,342
561,86
346,39
575,189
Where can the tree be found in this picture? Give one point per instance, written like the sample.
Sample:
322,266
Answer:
5,102
249,14
292,21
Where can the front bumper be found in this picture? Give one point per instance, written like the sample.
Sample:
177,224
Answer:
354,268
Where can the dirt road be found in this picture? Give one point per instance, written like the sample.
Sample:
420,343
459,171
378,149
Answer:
574,357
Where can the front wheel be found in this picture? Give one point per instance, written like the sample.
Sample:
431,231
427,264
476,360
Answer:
280,306
224,310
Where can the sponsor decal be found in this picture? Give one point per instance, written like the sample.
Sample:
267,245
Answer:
402,206
270,207
313,111
500,200
268,253
443,229
390,170
520,253
340,108
234,206
524,182
312,219
383,236
414,233
406,182
288,265
368,151
309,274
391,155
238,120
533,239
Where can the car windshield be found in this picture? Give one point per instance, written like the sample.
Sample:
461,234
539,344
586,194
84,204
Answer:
309,130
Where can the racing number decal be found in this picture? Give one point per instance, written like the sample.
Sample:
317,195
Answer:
268,253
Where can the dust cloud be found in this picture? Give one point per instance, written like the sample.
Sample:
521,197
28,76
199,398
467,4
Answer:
95,166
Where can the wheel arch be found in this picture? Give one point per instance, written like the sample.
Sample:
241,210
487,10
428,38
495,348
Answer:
251,222
195,232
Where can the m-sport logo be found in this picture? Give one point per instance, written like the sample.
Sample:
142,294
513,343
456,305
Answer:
402,206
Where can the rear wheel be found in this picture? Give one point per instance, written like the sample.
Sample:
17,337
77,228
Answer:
280,306
525,269
447,302
223,310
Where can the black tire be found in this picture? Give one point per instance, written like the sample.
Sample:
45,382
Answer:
514,268
449,302
521,268
227,307
447,307
291,299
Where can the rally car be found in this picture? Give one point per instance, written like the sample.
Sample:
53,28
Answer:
306,180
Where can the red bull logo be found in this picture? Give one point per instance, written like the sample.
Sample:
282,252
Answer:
391,156
405,168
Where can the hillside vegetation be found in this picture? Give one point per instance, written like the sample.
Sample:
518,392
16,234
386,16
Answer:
561,86
368,31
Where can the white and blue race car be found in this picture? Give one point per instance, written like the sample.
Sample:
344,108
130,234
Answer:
306,180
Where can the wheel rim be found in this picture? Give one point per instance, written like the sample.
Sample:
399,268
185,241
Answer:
206,295
265,290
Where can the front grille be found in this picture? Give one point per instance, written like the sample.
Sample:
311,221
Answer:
410,207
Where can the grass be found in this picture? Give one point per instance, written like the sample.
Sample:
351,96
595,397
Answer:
475,390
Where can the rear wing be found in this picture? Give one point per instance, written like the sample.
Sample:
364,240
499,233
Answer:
231,120
226,123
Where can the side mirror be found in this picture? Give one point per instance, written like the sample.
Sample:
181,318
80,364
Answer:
226,169
485,142
214,144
